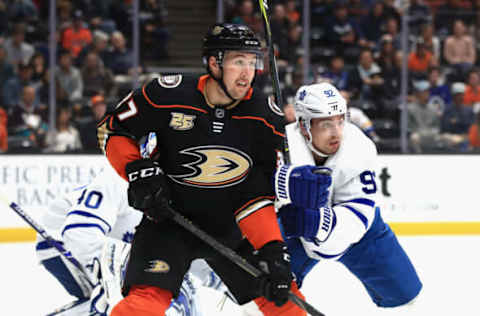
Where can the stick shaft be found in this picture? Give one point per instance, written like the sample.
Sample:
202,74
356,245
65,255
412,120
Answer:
48,238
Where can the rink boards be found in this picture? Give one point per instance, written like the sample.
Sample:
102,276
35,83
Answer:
419,195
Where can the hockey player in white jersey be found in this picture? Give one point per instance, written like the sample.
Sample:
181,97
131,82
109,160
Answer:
97,217
328,200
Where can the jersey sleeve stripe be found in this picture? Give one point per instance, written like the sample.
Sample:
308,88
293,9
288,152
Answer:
363,201
83,225
252,209
358,214
87,214
261,227
271,198
325,256
261,119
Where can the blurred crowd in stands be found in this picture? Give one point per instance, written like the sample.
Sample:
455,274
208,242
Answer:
94,67
355,44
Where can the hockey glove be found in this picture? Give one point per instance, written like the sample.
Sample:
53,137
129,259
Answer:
148,190
275,284
309,223
304,186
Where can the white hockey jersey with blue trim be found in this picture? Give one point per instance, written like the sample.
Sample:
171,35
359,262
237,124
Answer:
84,217
353,193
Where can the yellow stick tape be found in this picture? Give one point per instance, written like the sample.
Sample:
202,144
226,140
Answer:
400,229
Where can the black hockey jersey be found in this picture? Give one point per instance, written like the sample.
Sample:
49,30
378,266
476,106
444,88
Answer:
220,160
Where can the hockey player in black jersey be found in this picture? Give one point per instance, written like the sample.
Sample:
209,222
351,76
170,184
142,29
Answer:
218,141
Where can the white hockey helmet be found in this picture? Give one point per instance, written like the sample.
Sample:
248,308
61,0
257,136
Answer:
320,100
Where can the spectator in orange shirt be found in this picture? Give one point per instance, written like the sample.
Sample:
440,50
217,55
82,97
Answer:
3,131
474,134
292,13
76,36
472,91
420,60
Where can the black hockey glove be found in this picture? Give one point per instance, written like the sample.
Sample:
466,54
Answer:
148,190
275,284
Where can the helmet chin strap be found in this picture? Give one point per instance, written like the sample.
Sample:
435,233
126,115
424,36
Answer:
316,151
306,126
224,88
222,84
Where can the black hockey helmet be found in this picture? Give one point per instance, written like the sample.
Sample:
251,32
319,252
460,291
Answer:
226,36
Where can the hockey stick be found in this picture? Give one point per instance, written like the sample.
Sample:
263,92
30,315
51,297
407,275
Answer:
271,54
84,280
231,254
273,69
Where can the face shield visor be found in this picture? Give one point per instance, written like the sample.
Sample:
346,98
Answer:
257,64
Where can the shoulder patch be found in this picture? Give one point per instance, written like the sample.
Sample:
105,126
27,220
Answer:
274,107
170,81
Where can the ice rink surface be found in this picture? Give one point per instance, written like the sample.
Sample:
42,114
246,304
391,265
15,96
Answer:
449,268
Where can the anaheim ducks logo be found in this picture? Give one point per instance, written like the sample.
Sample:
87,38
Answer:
157,266
215,167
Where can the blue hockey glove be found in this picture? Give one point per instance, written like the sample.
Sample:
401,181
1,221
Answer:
304,186
308,223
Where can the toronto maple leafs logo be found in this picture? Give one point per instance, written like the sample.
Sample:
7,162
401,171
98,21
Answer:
127,237
302,95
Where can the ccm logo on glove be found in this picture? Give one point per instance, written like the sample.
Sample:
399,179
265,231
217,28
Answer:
148,189
144,173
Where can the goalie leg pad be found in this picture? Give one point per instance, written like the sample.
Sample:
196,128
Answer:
185,304
113,261
66,274
79,307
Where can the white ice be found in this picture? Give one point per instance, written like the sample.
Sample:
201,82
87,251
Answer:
448,266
